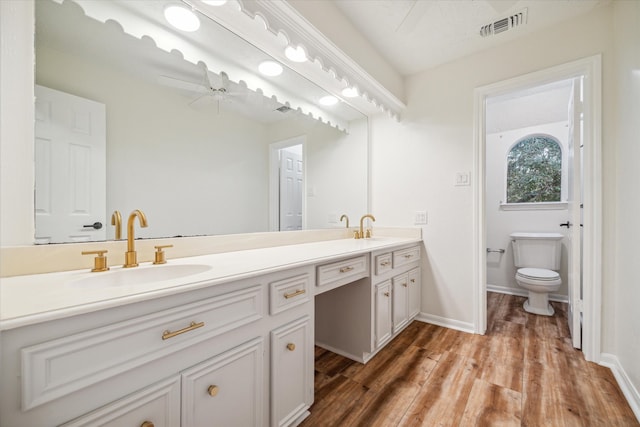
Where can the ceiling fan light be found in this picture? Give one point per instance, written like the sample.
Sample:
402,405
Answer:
270,68
214,2
328,100
295,54
182,18
350,92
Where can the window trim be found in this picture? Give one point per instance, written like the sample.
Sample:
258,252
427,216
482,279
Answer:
535,206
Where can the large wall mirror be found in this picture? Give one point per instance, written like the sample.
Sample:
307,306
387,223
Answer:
134,114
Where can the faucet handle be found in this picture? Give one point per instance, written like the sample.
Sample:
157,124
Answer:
160,254
99,262
356,235
368,234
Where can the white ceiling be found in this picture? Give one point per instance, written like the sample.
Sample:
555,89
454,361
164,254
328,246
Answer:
414,35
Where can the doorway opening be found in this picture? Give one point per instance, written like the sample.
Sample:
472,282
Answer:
532,158
580,200
287,184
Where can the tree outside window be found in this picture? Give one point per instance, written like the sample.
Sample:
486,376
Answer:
534,170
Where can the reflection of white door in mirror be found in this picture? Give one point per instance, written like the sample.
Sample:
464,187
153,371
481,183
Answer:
70,163
291,186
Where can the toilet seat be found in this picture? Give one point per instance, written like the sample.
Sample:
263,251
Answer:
538,274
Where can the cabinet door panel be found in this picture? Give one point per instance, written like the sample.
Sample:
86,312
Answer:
225,390
414,292
400,305
291,371
383,312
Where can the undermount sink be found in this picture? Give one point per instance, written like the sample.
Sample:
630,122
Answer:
140,275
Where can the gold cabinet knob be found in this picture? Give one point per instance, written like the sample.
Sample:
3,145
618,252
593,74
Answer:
386,294
291,346
213,390
99,262
147,424
404,284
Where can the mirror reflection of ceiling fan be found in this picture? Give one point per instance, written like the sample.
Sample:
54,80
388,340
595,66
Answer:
207,92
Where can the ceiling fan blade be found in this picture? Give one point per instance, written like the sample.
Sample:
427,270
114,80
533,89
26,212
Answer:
181,84
202,101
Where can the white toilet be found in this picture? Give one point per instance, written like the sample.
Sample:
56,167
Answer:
537,258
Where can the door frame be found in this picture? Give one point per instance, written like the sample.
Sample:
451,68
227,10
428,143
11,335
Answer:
591,69
274,180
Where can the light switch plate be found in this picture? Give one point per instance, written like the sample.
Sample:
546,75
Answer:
420,218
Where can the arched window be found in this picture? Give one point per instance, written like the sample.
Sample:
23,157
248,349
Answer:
534,170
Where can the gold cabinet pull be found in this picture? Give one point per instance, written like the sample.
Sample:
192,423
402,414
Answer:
213,390
408,256
147,424
386,294
295,294
168,334
291,346
385,263
404,284
345,269
413,280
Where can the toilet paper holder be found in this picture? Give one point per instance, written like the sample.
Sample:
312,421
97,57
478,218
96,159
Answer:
500,251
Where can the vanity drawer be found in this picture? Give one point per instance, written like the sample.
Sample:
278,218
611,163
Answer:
406,256
56,368
158,404
287,293
342,272
383,263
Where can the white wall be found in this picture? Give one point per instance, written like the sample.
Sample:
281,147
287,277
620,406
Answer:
624,339
415,161
501,223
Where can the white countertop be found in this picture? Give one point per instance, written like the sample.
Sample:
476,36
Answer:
30,299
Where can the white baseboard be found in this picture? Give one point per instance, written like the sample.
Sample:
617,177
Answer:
523,293
628,389
445,322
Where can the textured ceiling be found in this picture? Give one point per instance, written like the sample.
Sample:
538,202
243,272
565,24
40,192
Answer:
414,35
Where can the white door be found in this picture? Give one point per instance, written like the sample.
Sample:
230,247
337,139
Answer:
291,185
574,233
70,164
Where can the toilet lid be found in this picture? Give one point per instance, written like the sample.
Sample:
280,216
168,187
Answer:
538,273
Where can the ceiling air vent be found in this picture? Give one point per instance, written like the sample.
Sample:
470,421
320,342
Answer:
502,25
284,109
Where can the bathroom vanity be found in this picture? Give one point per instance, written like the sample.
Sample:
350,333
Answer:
227,337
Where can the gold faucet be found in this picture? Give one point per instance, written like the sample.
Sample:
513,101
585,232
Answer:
344,216
360,234
116,219
130,257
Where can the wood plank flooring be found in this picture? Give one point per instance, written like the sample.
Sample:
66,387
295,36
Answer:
523,372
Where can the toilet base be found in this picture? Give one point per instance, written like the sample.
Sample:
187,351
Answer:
541,310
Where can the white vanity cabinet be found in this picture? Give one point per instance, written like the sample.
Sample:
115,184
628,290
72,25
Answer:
191,359
399,272
362,315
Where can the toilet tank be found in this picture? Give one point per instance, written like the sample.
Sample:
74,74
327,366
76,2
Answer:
537,250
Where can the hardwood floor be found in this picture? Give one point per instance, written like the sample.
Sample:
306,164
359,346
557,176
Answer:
523,372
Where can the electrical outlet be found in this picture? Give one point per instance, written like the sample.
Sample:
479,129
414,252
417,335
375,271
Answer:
420,217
